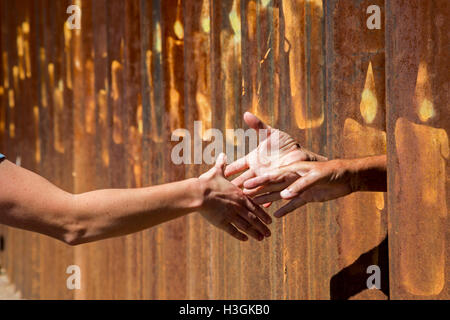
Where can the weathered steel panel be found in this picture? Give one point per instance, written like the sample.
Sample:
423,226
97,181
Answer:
96,108
203,251
356,109
418,147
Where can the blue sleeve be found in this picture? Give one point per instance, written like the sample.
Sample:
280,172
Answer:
1,156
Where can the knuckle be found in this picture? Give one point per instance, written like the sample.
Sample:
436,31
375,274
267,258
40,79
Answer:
245,226
251,216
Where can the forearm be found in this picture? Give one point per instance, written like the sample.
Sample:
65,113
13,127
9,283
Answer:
369,174
30,202
114,212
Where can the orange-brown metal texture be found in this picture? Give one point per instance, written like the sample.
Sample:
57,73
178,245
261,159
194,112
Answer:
356,110
96,108
418,147
36,129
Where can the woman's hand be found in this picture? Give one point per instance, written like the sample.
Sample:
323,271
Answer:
226,207
303,182
277,150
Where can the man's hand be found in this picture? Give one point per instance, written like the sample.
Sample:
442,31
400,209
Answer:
303,182
277,150
226,207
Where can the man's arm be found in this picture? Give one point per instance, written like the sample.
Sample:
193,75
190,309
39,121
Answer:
307,181
370,173
30,202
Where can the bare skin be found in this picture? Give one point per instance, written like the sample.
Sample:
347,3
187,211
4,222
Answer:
262,160
303,182
300,175
30,202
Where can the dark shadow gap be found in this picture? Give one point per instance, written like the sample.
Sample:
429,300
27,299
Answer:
352,279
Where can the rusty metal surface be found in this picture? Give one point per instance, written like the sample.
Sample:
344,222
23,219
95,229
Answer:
356,111
95,108
418,148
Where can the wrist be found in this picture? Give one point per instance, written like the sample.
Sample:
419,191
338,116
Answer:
352,170
368,174
198,189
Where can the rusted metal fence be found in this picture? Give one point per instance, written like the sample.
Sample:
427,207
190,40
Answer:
95,108
417,91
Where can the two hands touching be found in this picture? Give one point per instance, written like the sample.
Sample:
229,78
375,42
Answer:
279,168
226,206
292,173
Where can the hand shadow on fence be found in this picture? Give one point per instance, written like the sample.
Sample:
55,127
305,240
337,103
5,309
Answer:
352,279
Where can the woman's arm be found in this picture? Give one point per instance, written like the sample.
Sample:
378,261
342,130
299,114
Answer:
30,202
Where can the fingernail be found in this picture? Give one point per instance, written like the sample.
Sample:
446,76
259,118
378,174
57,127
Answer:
286,193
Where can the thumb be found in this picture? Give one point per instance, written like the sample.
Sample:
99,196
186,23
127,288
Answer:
221,162
300,185
254,122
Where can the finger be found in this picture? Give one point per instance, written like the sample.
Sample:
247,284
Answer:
275,176
257,211
289,207
276,187
266,205
315,157
268,197
300,185
252,192
231,230
239,181
237,166
221,162
254,122
253,224
244,225
258,181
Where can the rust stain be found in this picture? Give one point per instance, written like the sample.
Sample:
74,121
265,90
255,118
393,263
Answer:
116,85
89,97
103,118
178,29
11,99
2,113
51,74
361,212
175,107
231,65
158,41
425,108
422,209
295,47
68,53
369,102
11,103
5,70
205,21
58,109
26,47
42,84
37,152
20,52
